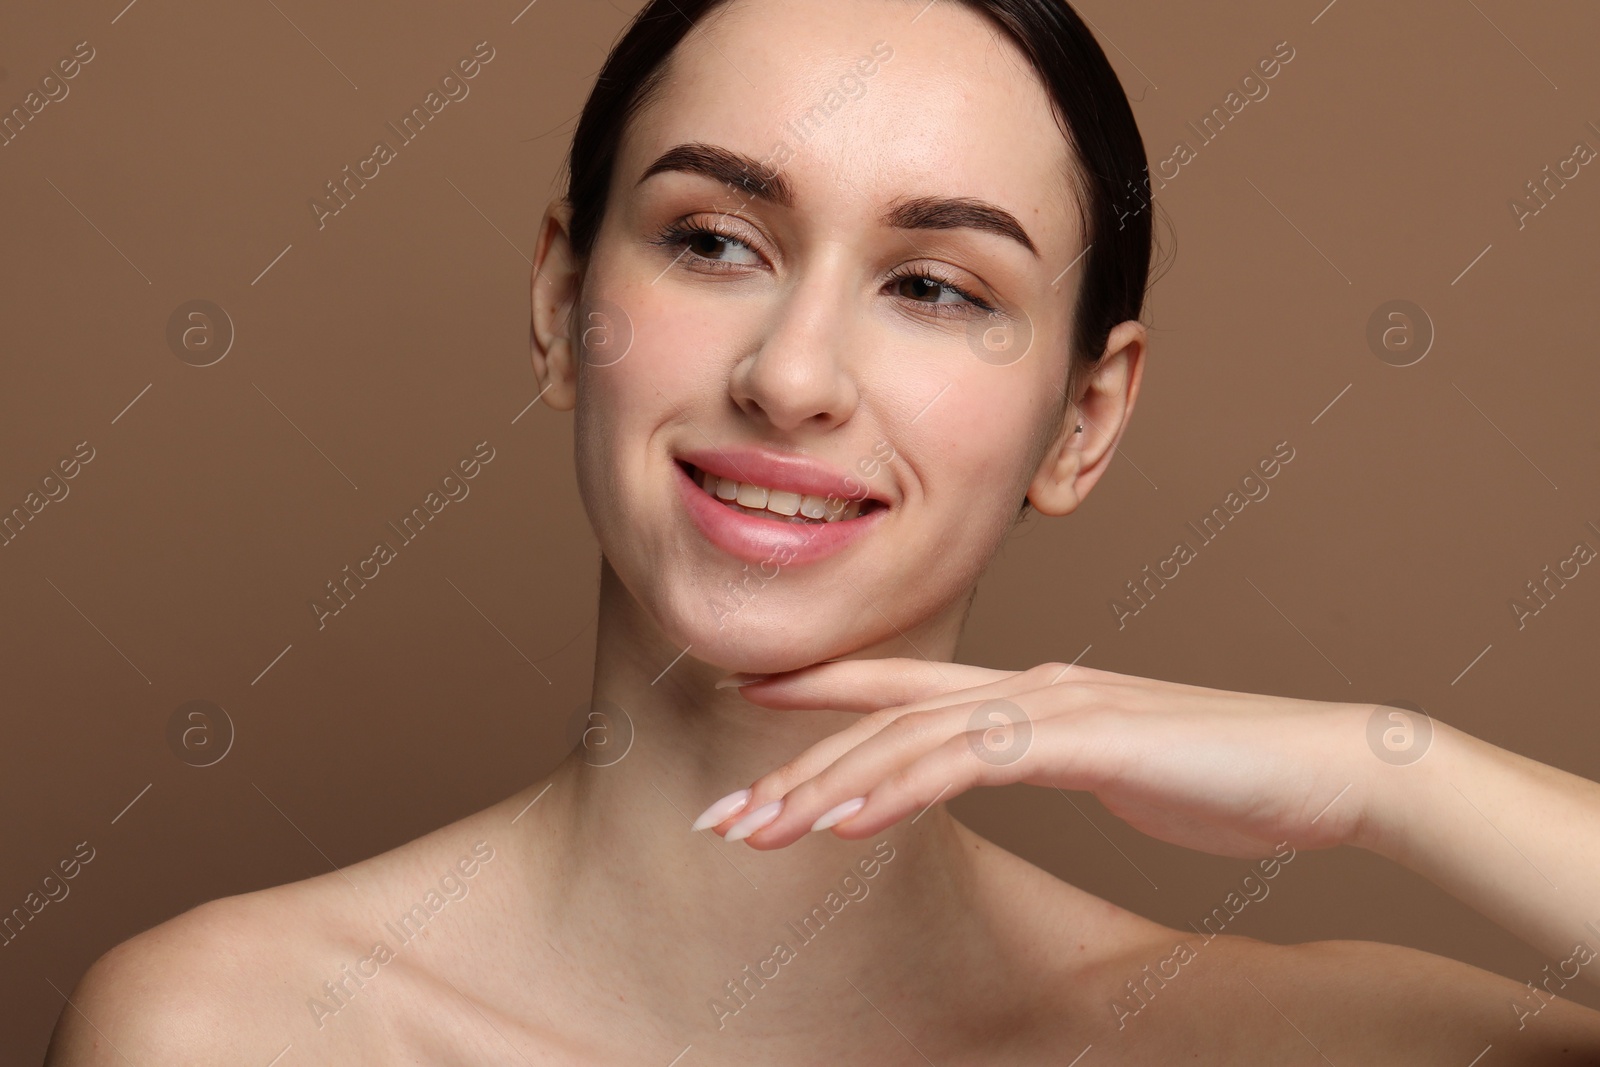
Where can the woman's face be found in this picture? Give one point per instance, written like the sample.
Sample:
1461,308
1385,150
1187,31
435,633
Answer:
869,323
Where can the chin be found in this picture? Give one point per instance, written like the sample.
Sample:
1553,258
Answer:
764,634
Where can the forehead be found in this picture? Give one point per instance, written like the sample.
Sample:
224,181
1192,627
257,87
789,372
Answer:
862,101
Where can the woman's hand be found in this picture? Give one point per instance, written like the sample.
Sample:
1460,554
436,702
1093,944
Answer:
1228,773
1234,774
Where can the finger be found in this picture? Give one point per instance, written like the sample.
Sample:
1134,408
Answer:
899,743
866,684
813,761
935,775
988,709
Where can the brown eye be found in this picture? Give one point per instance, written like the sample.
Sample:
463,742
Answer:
920,288
928,289
707,244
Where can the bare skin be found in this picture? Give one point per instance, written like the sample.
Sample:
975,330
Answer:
581,921
521,970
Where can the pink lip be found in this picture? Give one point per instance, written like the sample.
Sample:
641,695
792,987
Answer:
796,474
757,540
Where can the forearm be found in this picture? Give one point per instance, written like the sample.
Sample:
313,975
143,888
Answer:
1514,838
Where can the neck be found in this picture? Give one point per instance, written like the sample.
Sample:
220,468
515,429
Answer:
692,920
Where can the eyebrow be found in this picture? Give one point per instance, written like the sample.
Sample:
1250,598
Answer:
725,167
957,212
746,174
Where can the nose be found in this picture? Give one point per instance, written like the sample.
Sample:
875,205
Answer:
798,376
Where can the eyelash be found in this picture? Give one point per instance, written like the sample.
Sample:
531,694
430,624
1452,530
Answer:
676,234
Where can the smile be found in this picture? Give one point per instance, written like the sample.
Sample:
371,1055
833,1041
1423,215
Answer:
778,504
797,513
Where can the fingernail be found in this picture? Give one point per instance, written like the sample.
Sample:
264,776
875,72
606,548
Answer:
839,813
754,821
740,680
722,809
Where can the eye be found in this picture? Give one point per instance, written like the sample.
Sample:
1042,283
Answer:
919,286
706,243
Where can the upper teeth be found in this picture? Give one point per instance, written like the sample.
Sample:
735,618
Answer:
779,501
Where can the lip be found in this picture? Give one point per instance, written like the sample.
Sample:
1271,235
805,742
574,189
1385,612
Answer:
775,470
760,541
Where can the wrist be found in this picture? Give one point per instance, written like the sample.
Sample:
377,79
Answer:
1411,759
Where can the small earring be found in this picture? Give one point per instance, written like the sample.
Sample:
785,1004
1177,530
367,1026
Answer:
1079,429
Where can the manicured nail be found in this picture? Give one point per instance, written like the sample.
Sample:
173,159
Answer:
733,680
722,809
839,813
754,821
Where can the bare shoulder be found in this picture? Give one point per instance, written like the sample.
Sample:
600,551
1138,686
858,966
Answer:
243,978
181,992
1425,1003
1146,993
1346,1001
1023,902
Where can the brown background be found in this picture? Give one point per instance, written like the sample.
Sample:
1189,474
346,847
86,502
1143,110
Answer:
395,338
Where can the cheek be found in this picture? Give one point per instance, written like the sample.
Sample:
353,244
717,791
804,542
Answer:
658,337
668,372
617,339
985,448
611,430
969,470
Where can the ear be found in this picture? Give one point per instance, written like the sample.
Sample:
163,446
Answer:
556,280
1075,461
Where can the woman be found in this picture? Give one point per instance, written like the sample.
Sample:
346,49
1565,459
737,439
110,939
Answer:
810,298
